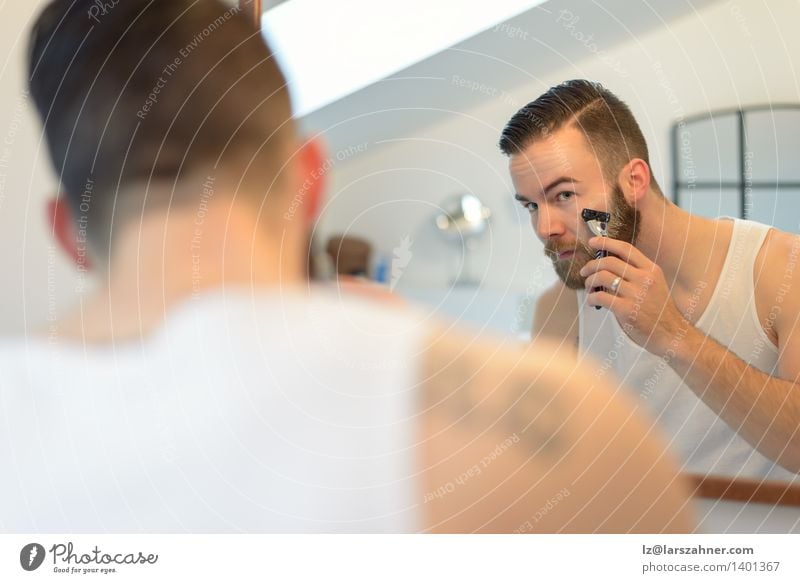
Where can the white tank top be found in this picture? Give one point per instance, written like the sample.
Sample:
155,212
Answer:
245,412
705,443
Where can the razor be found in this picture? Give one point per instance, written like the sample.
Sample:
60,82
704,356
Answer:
597,221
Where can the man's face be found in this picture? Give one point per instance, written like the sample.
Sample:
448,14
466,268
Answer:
557,177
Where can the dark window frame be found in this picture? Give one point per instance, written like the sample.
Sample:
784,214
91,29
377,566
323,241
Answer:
742,185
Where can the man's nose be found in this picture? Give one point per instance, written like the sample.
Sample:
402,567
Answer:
547,226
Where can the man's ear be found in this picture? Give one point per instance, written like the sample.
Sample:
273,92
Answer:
312,167
62,227
635,180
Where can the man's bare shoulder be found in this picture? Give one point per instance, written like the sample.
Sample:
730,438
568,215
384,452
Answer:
556,314
777,269
558,297
506,427
453,350
780,249
776,276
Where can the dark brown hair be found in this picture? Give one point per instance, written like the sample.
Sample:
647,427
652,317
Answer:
607,123
145,90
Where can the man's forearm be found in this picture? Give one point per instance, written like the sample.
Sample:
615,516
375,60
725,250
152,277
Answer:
763,409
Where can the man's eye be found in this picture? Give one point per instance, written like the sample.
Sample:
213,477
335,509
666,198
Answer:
566,195
531,206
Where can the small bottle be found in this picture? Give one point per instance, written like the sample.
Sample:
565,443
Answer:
381,274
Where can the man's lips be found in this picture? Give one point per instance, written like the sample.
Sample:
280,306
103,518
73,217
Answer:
566,254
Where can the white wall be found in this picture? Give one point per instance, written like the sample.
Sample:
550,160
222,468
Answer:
726,54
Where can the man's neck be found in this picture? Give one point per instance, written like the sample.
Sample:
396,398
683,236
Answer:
685,246
168,257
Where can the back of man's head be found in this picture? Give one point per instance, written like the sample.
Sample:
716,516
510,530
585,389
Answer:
144,91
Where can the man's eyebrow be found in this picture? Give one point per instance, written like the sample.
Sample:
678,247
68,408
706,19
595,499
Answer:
549,187
558,181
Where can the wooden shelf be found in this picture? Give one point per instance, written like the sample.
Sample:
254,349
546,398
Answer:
744,490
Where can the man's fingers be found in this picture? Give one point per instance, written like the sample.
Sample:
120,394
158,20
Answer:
603,299
621,249
613,265
604,279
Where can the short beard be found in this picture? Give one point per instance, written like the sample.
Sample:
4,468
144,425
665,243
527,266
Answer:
624,225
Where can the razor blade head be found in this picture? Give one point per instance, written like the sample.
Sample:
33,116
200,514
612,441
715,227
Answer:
597,221
593,215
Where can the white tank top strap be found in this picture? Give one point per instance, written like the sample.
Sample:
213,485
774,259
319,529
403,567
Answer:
737,272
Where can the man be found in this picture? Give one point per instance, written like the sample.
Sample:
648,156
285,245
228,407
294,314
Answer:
699,317
207,387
